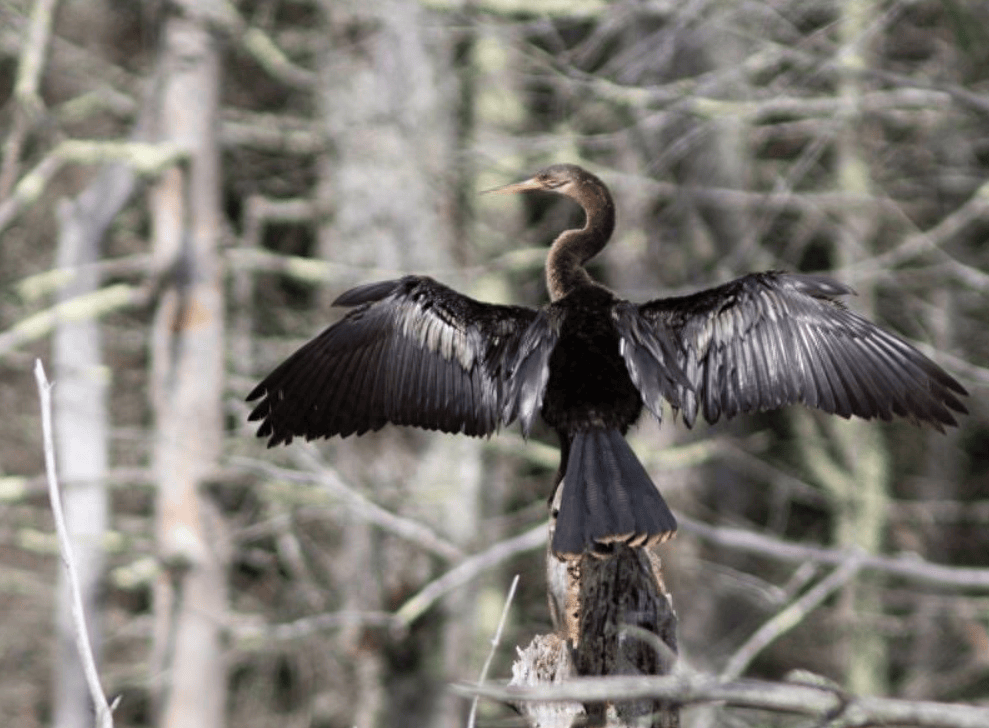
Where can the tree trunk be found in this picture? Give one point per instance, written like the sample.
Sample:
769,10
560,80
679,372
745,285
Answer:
387,106
82,430
863,510
187,384
613,616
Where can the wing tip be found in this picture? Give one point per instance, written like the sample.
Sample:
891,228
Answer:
259,391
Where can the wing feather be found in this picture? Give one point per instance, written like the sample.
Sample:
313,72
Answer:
650,353
527,360
770,339
411,352
377,391
715,382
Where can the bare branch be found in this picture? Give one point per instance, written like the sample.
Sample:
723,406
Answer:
313,270
46,282
906,566
470,569
822,701
300,268
145,158
361,507
975,210
224,16
790,617
33,57
569,9
28,189
29,102
89,305
274,133
104,712
273,60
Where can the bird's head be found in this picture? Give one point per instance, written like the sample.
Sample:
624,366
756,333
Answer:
564,179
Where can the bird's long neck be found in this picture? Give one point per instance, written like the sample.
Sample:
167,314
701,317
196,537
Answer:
565,262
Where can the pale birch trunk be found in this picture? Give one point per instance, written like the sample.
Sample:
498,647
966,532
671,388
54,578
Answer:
187,384
82,431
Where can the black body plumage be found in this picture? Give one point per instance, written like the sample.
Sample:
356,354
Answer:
415,352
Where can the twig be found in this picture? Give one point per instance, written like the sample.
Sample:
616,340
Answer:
790,617
318,271
145,158
273,60
408,528
495,641
35,286
104,712
32,59
299,268
270,133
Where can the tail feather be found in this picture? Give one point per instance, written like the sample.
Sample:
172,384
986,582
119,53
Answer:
608,497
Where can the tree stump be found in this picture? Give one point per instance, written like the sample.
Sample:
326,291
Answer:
613,616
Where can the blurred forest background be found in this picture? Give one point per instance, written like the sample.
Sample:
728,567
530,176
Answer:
184,188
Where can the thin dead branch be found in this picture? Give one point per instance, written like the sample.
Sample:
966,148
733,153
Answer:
495,641
253,630
104,712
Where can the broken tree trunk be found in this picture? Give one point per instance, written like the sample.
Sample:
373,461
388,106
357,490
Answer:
613,616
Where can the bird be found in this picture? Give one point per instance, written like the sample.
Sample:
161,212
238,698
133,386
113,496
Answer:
413,351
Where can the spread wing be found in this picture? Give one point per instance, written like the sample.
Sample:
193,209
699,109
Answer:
771,339
411,352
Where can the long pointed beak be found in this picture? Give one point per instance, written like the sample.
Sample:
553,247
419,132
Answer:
529,184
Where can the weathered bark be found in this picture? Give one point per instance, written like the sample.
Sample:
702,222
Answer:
613,616
187,384
546,661
621,592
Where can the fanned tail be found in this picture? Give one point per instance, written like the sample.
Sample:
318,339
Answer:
608,497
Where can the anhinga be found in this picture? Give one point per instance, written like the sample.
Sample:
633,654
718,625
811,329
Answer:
415,352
